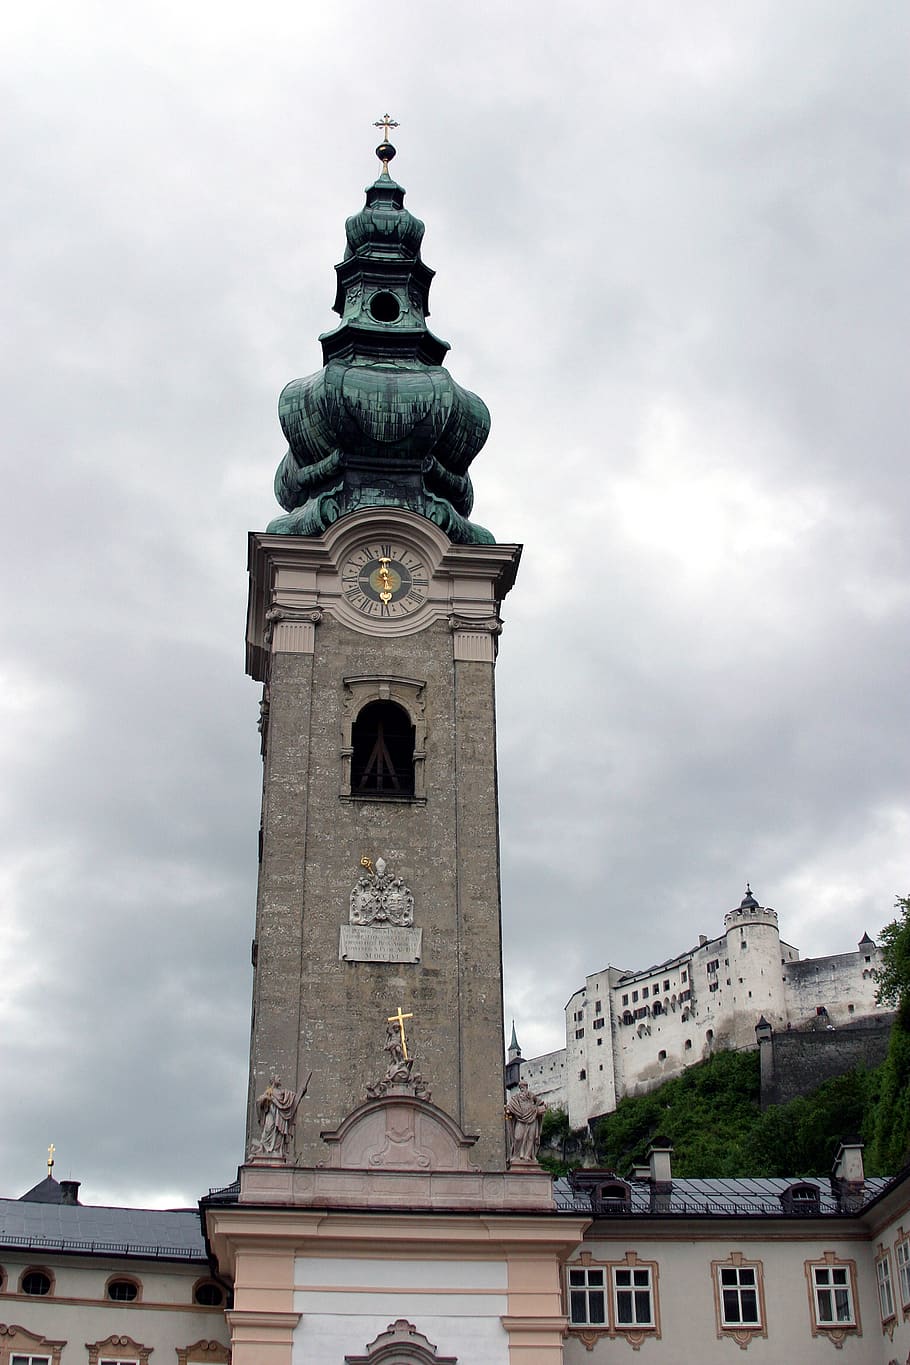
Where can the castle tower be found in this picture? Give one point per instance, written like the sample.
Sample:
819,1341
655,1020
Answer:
373,624
753,951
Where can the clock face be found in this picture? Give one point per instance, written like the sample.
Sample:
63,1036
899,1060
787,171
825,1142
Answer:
384,580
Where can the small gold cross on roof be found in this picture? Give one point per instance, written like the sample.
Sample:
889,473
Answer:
399,1018
50,1158
385,123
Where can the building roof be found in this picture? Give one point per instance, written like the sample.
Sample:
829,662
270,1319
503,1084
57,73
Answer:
157,1234
744,1197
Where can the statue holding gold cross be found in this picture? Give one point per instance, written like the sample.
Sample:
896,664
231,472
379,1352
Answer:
400,1070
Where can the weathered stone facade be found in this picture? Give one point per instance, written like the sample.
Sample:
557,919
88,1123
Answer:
312,1010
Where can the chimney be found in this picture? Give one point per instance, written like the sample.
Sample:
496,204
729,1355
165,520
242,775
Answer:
70,1190
702,940
848,1177
660,1174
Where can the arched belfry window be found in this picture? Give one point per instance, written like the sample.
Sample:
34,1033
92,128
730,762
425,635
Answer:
383,742
382,762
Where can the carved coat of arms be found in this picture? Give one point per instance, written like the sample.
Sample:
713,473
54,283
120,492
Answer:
380,898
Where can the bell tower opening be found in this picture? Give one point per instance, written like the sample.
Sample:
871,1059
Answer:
382,763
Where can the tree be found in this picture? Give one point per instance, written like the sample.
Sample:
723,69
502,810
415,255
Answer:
893,976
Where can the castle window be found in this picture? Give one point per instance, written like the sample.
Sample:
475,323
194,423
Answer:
36,1282
122,1291
666,985
657,1008
688,1044
634,997
902,1252
662,1056
628,1018
382,763
208,1294
579,1033
743,945
598,1009
644,993
582,1075
599,1023
684,976
710,1035
832,1294
625,1000
632,1296
739,1299
587,1303
885,1292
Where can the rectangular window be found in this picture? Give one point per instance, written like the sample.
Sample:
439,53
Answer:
587,1301
625,1000
684,976
666,985
885,1294
579,1033
599,1023
597,1007
739,1296
903,1270
632,1296
634,996
833,1296
644,993
30,1360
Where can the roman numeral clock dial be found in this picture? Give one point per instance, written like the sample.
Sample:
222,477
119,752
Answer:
384,580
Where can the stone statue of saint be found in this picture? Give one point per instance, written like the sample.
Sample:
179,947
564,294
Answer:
399,1068
524,1116
277,1110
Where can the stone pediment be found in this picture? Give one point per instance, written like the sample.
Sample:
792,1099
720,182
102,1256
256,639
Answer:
398,1133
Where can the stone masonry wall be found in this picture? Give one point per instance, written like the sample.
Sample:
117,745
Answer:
801,1061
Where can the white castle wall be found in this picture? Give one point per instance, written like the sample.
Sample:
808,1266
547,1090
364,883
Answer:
626,1032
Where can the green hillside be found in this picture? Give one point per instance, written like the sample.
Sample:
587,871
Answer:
711,1114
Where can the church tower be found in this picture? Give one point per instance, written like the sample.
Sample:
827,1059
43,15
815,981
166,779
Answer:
373,626
378,1214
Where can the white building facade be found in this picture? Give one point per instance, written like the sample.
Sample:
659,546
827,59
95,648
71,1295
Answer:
627,1032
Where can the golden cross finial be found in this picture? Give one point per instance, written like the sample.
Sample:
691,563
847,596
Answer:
399,1018
50,1158
385,123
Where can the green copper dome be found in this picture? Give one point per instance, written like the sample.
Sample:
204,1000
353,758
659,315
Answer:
383,423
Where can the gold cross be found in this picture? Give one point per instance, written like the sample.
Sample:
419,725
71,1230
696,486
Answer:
385,123
399,1019
50,1158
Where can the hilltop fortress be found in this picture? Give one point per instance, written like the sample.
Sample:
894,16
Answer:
628,1031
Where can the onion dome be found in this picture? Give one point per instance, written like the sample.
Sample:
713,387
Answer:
748,901
383,423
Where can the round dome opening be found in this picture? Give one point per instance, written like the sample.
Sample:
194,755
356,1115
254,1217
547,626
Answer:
385,307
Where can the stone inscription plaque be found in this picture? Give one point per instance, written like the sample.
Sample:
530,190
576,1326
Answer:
379,943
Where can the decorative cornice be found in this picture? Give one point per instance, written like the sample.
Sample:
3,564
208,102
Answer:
277,615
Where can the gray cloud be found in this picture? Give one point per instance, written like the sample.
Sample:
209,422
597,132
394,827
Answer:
668,254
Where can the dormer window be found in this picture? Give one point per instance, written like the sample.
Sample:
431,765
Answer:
801,1198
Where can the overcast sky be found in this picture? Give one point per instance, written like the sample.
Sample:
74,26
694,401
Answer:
671,254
